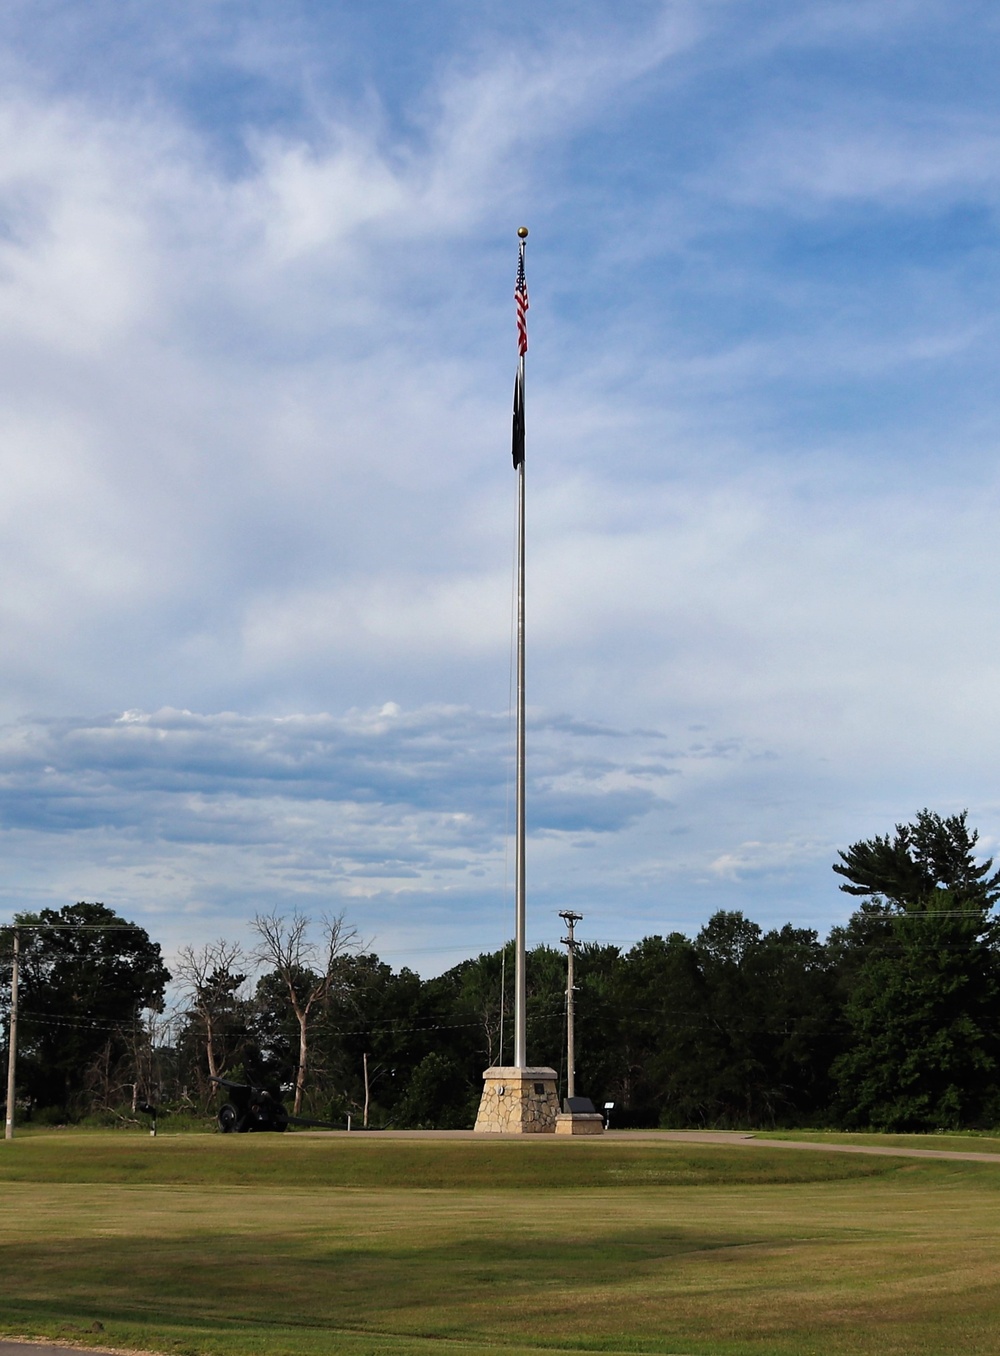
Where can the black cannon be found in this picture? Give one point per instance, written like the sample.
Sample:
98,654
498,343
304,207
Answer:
251,1109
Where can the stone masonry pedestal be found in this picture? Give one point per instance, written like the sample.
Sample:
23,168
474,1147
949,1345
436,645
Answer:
579,1123
518,1102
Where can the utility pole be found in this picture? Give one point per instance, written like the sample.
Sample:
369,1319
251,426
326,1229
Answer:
570,919
12,1039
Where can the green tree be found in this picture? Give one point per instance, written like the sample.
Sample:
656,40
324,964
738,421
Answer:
86,976
437,1097
931,856
393,1019
764,1019
735,1027
661,1004
920,980
602,1006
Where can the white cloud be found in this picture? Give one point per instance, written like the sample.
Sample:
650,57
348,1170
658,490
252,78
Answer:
187,814
888,154
253,436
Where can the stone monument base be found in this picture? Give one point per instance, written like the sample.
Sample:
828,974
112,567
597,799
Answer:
518,1101
579,1123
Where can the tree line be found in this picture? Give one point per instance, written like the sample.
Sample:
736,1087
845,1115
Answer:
891,1022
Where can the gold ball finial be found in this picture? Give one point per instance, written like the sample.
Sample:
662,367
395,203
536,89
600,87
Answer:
522,232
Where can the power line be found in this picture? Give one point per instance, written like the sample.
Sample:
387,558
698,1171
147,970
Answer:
71,927
136,1025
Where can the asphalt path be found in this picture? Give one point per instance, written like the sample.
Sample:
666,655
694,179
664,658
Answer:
45,1349
879,1150
744,1139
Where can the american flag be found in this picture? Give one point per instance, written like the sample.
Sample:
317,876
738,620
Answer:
521,305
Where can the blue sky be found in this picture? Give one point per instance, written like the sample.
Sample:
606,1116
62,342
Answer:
257,347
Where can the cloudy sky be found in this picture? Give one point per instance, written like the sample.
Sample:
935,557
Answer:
256,523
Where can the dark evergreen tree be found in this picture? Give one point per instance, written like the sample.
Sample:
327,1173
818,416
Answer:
603,1006
764,1020
733,1028
390,1017
437,1095
920,980
930,856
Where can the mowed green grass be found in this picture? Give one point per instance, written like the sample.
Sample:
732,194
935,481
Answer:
293,1246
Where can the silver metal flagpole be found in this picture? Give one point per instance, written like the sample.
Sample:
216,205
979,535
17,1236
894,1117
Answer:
520,984
518,1098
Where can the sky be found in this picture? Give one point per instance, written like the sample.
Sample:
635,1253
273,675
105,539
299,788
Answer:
257,347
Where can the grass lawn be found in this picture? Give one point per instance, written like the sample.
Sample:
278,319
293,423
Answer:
294,1246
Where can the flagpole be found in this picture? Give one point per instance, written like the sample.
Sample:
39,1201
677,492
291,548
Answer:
520,982
519,1099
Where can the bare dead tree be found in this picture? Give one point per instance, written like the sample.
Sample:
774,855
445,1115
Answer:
210,982
98,1078
139,1070
307,968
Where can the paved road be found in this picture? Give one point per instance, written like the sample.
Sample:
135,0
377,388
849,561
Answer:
881,1151
742,1138
43,1349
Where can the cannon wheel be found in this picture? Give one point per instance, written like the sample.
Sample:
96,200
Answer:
228,1118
